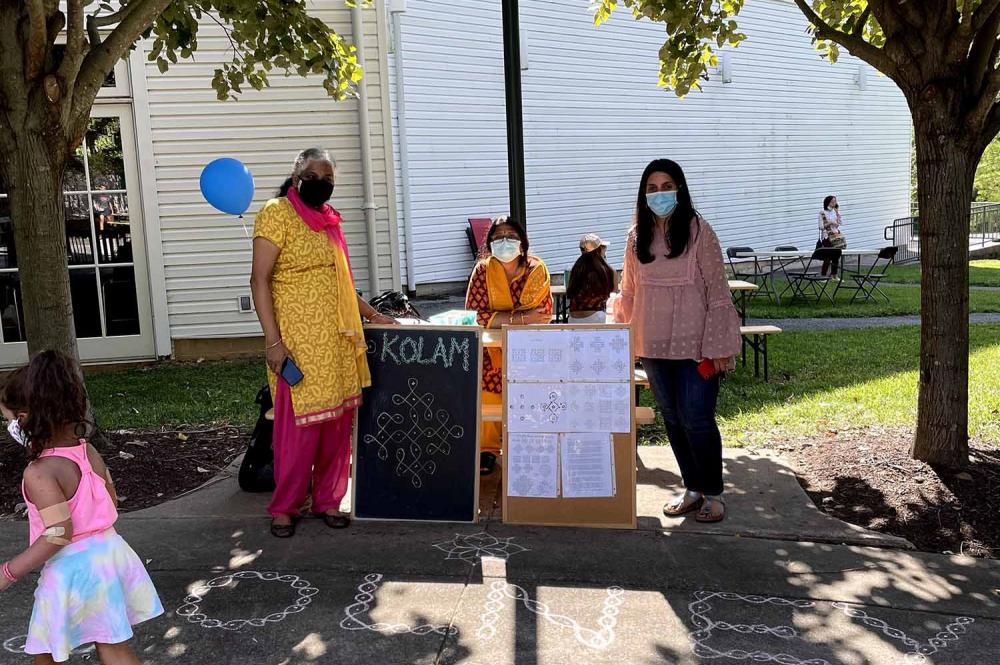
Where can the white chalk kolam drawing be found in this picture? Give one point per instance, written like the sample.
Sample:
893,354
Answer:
706,626
415,435
17,643
191,609
474,547
355,615
593,639
700,607
919,651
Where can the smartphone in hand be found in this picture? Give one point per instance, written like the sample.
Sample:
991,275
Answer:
290,372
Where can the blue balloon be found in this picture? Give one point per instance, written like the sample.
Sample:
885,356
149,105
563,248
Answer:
227,184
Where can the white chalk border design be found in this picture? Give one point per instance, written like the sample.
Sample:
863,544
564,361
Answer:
918,650
191,608
355,619
593,639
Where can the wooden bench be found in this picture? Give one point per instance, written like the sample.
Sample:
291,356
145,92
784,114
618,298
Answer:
756,338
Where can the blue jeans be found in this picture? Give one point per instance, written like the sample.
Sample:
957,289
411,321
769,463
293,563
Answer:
687,402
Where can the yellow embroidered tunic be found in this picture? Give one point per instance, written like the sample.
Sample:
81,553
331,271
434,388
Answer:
307,291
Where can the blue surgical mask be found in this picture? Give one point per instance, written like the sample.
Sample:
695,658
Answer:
16,433
506,249
662,203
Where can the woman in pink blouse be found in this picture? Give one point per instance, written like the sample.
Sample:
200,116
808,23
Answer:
676,297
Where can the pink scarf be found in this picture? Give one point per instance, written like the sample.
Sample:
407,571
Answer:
325,220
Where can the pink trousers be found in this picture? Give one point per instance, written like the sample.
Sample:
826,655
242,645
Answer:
320,453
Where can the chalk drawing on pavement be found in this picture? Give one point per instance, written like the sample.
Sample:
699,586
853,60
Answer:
919,651
355,614
474,547
191,609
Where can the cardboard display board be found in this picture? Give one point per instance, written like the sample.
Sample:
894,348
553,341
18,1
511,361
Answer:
416,443
564,397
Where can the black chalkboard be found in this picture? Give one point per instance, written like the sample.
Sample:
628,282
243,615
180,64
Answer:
416,446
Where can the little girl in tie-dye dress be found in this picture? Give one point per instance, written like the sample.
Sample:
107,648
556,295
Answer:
92,588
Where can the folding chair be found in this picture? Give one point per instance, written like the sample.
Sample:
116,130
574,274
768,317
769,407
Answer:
809,285
476,233
757,275
866,283
783,266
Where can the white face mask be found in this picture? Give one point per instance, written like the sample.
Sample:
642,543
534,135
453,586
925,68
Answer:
16,433
506,249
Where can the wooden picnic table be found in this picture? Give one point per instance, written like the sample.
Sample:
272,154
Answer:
742,290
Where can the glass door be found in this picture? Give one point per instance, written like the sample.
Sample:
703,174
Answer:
104,246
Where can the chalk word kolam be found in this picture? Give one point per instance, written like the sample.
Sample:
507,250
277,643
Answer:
17,644
473,548
403,350
191,609
593,639
354,618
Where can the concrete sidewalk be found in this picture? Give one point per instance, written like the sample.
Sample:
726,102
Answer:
384,592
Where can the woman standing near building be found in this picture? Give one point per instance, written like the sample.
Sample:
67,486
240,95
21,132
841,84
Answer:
676,297
508,287
829,232
304,294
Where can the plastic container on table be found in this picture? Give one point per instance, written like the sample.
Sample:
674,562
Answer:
455,317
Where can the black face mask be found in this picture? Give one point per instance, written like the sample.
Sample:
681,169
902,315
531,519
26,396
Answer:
315,193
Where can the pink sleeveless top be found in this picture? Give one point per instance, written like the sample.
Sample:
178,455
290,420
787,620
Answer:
91,509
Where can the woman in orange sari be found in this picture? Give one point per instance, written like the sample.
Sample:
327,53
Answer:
508,287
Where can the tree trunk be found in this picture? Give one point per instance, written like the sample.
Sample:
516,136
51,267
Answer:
34,177
946,166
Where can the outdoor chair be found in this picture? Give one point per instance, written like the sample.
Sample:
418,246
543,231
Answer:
476,233
810,285
749,270
866,283
797,263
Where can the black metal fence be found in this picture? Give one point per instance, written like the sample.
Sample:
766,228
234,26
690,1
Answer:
984,229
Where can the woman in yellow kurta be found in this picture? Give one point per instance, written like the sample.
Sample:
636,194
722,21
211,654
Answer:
508,287
305,299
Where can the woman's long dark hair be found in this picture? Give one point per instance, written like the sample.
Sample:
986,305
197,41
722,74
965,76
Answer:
826,202
678,234
52,393
518,229
590,274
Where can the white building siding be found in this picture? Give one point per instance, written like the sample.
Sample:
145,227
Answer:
207,254
760,152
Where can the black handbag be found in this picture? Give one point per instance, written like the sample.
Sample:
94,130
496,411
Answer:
396,305
257,470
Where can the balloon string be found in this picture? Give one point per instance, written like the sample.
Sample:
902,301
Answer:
245,231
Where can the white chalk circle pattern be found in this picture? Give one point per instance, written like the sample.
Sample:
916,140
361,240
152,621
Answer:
474,547
354,614
593,639
700,608
191,609
416,435
918,650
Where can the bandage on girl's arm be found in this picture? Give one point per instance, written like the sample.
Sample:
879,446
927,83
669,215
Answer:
44,491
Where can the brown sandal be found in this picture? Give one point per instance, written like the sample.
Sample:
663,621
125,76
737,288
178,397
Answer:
335,521
681,506
283,530
707,515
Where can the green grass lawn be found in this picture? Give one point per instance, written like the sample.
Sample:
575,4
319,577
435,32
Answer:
903,300
819,381
981,273
842,379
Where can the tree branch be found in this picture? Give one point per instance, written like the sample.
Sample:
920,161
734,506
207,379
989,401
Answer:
858,47
102,57
981,16
990,128
859,27
37,39
95,23
75,42
982,55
